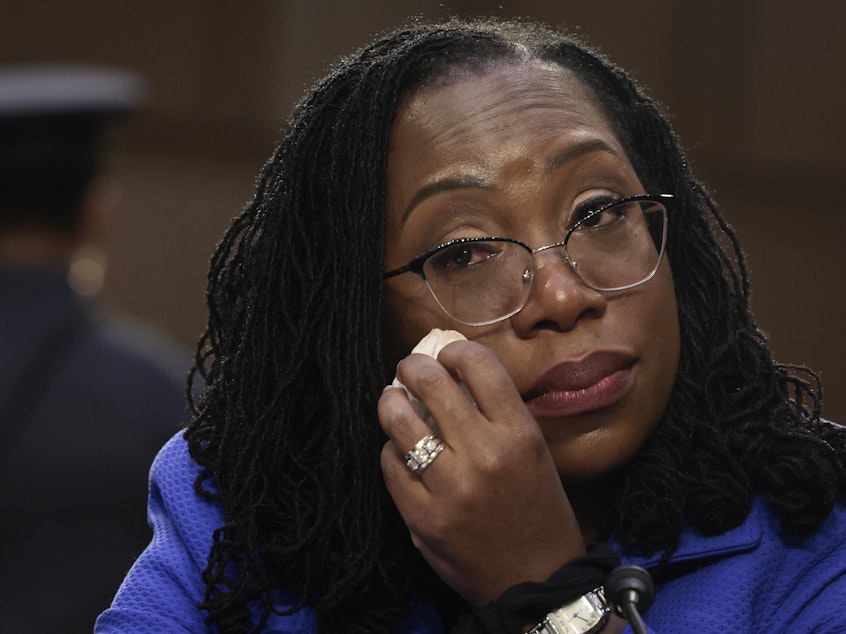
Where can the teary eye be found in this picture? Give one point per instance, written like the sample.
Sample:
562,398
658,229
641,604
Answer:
601,213
588,207
455,257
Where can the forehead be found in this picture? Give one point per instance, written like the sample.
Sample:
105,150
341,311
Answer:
492,126
507,101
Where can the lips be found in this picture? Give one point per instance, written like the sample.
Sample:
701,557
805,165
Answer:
579,386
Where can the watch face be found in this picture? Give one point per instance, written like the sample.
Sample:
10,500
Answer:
583,616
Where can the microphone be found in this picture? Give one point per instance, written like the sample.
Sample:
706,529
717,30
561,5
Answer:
628,588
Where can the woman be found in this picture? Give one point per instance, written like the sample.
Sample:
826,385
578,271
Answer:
502,181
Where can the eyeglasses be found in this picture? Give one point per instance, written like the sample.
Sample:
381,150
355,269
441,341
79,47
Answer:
480,281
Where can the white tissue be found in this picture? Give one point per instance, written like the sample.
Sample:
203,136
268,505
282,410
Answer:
431,345
436,340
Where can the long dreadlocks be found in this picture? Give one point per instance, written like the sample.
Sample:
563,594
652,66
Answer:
293,357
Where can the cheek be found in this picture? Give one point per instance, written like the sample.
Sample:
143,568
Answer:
660,324
410,313
667,314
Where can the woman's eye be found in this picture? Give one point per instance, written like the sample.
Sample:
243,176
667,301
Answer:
589,207
602,218
460,256
588,215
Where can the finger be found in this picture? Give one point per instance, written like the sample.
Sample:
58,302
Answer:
411,490
441,394
399,420
402,484
415,444
478,368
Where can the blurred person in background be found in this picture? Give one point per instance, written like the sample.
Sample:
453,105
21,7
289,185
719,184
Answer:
86,398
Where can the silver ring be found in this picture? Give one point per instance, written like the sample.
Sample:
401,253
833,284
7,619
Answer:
424,453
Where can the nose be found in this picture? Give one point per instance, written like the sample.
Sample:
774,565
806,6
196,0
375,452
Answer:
559,299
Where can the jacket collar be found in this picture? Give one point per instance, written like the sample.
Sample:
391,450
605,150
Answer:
694,545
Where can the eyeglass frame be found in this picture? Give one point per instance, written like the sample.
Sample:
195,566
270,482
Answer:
416,264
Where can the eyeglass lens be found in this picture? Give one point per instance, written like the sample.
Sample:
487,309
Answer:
481,282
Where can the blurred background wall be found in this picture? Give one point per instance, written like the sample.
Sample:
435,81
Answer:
755,88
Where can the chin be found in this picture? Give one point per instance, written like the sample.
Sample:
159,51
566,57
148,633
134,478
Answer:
593,457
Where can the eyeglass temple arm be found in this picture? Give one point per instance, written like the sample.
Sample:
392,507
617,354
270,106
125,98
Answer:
408,268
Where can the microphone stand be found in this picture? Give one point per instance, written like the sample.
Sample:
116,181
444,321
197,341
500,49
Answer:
627,589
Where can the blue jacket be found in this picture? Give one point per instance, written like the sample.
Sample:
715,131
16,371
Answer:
751,579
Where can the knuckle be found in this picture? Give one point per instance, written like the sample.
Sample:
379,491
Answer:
492,463
529,446
531,437
402,426
396,416
523,446
388,401
431,380
386,409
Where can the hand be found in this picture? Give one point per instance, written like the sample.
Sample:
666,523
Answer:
490,511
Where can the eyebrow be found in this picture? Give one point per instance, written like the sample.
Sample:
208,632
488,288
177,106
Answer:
559,159
445,185
554,162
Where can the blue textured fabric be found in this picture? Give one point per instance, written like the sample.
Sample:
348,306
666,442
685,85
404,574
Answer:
751,579
162,590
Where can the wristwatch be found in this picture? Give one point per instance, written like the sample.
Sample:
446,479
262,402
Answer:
585,615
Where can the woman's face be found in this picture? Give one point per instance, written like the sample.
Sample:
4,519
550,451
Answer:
513,153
